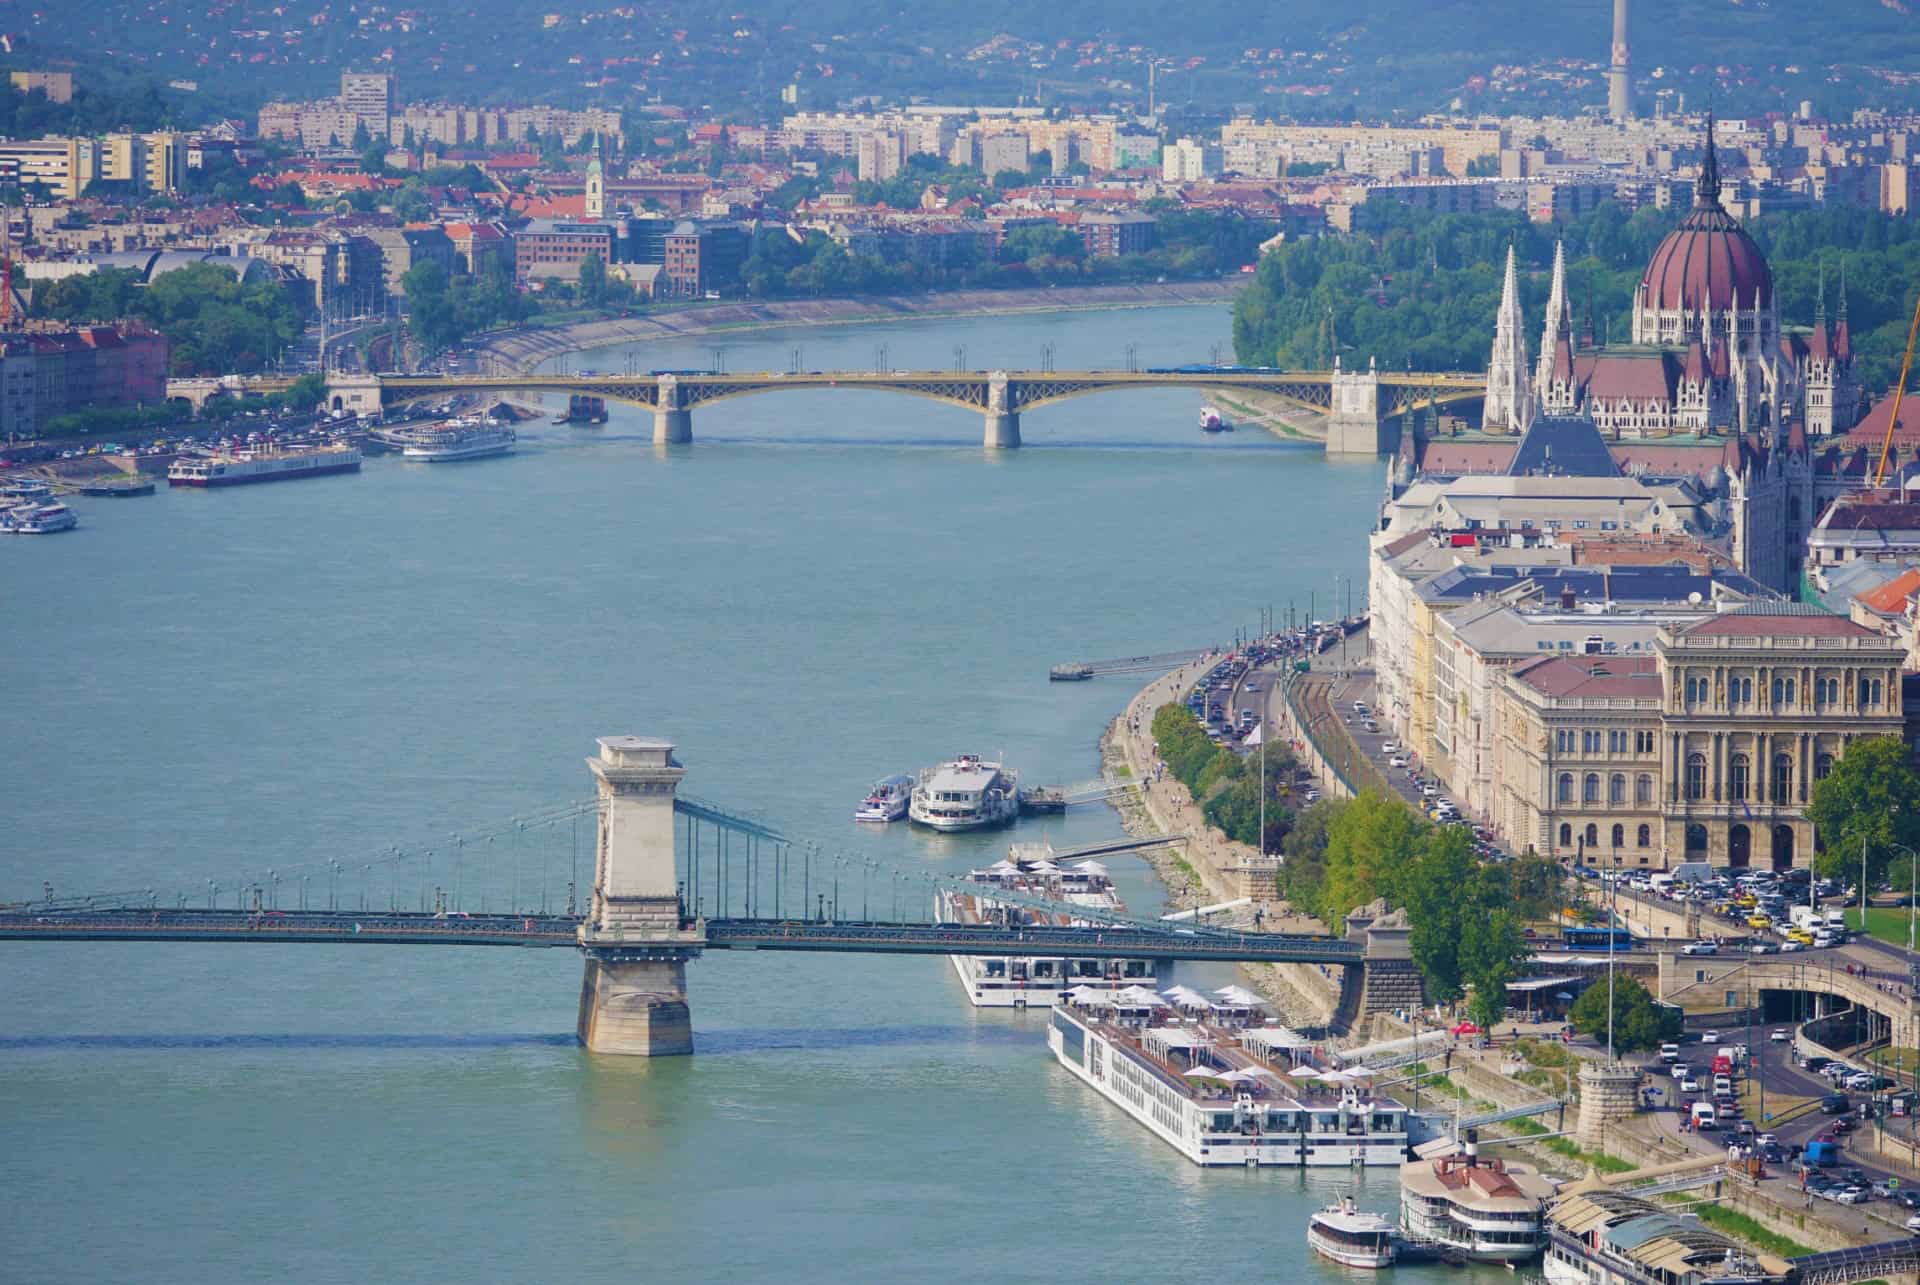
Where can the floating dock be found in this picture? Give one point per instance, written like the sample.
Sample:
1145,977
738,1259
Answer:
1079,671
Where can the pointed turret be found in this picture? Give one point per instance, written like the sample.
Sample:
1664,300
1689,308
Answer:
1706,192
1842,340
1556,319
1509,403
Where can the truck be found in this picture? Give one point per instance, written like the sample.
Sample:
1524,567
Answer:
1821,1153
1723,1063
1806,917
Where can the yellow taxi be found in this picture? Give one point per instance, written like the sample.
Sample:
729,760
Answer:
1802,936
1759,921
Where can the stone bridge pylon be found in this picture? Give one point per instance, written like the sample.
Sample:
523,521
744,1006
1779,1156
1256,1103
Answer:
633,996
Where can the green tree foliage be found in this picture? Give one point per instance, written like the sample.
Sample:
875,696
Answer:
1492,945
1539,887
1638,1022
442,311
1226,784
1871,797
213,324
593,280
1304,871
1418,289
1369,846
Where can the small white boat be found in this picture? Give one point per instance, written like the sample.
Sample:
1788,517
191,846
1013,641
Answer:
887,800
1351,1236
1212,421
41,519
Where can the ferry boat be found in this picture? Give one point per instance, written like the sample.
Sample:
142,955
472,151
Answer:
262,463
887,800
1482,1210
967,793
22,489
459,439
1208,1082
1351,1236
1212,421
39,519
1035,981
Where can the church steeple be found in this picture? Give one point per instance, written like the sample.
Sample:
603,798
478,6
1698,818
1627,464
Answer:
1706,192
1557,317
1509,403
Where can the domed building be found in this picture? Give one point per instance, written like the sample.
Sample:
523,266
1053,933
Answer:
1708,353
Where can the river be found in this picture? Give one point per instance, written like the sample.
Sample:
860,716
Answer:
823,588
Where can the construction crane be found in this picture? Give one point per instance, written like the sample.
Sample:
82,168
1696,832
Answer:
1899,391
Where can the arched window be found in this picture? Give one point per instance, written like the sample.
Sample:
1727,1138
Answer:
1564,790
1590,788
1593,835
1696,776
1696,837
1644,839
1617,789
1833,691
1737,777
1779,692
1693,689
1790,692
1643,788
1619,836
1822,766
1566,835
1782,779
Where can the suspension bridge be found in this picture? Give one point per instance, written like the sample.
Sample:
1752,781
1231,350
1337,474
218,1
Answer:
1356,402
641,880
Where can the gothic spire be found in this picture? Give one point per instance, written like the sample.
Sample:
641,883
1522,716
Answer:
1706,192
1842,302
1509,402
1588,334
1556,319
1820,297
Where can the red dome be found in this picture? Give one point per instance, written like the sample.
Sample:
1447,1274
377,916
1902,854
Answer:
1707,262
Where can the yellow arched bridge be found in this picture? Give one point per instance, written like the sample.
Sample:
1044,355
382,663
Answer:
1355,401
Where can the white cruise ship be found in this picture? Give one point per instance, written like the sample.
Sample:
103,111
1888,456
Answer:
262,464
997,981
1208,1081
39,519
1483,1210
968,793
460,439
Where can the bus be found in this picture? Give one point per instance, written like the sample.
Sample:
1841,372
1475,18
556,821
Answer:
1596,939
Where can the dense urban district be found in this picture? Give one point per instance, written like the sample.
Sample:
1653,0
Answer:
1606,783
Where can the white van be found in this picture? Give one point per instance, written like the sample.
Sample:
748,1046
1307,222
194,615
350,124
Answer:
1661,883
1704,1117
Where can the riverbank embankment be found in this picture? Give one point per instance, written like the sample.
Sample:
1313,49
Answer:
528,348
1205,868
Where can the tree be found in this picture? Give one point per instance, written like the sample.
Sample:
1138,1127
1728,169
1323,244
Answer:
412,204
1539,886
1871,798
1437,888
593,280
1638,1022
1369,846
373,159
1491,947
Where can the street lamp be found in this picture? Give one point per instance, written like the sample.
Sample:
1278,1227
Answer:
1913,889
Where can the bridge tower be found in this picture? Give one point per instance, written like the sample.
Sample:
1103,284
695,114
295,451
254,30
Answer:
633,997
672,417
354,394
1353,421
1003,414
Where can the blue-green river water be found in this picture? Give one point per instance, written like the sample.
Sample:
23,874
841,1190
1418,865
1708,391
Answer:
822,589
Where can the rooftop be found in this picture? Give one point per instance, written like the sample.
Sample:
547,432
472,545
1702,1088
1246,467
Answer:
1593,677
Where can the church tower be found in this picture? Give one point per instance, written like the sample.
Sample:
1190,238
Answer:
1509,404
596,184
1559,319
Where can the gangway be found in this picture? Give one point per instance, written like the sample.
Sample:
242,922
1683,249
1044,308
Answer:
1079,671
1681,1182
1512,1113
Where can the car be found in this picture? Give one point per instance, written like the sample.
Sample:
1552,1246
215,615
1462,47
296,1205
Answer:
1689,1085
1850,1195
1709,1037
1396,761
1429,790
1393,747
1835,1104
1763,948
1767,1140
1788,947
1669,1052
1913,1220
1907,1198
1700,948
1680,1071
1780,1035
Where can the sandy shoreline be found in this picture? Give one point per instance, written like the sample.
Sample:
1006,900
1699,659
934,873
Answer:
524,349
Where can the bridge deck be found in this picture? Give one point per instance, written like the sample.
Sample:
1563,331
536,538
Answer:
412,928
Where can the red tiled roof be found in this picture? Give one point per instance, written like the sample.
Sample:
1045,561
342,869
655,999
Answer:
1890,599
1743,624
1611,376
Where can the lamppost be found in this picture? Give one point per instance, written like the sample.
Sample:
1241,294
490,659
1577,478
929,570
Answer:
1913,888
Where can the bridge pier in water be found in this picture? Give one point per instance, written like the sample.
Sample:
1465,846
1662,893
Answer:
1003,414
672,417
633,996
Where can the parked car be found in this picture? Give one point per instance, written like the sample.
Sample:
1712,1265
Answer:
1700,948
